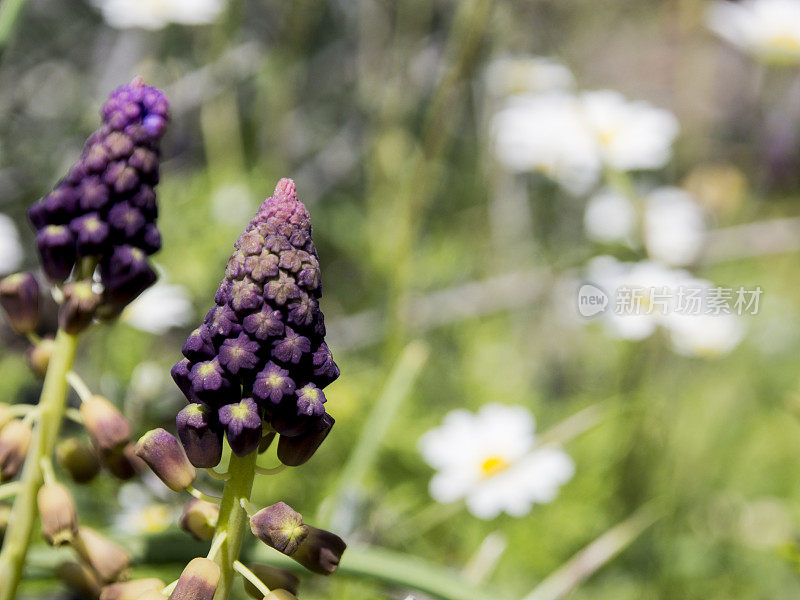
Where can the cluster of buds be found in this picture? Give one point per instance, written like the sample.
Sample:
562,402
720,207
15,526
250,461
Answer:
253,370
104,210
258,363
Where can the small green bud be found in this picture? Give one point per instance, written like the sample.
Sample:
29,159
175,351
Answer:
78,458
78,308
107,426
109,560
164,454
199,518
15,438
320,551
57,513
38,356
274,578
131,590
198,581
80,578
19,296
279,526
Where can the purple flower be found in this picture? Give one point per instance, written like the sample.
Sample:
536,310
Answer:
264,324
273,383
325,369
198,346
210,384
239,354
242,425
281,289
310,400
291,347
91,234
222,322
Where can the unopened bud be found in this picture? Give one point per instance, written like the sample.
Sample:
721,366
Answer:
107,426
131,590
243,425
164,454
279,526
275,579
199,518
109,560
123,463
320,551
200,434
266,442
78,458
38,356
15,438
198,581
294,451
57,513
19,296
78,308
79,578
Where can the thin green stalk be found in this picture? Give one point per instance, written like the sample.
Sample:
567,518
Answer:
233,520
52,405
9,13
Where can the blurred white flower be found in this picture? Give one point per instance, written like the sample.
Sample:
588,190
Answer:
630,135
156,14
489,459
10,248
546,133
674,227
767,29
704,336
511,76
609,217
159,308
142,512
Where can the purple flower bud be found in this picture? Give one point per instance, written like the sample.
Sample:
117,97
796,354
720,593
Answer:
126,221
150,239
272,384
200,434
131,590
222,322
264,324
211,385
325,370
78,307
280,527
56,246
57,513
261,266
199,518
198,581
91,234
310,401
80,578
238,355
122,463
108,428
242,426
291,347
15,438
181,376
155,125
125,274
78,458
277,580
166,458
198,346
118,145
295,451
302,311
320,551
93,194
244,296
281,289
19,296
107,559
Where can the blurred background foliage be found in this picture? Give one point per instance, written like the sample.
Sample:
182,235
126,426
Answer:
379,111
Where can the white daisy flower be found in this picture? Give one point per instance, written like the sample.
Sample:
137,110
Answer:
489,459
609,217
159,308
630,135
705,335
546,133
511,76
142,512
767,29
156,14
674,227
11,253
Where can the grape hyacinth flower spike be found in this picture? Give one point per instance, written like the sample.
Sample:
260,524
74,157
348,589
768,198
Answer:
256,367
94,233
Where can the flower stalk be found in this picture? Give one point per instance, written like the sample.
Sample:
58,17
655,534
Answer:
52,405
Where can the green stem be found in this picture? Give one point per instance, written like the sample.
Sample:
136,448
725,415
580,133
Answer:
52,404
9,13
233,520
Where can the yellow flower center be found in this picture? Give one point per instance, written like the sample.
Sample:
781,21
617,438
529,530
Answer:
154,518
607,137
493,465
785,43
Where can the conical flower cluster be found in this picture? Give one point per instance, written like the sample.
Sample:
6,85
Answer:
105,208
259,357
